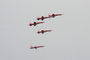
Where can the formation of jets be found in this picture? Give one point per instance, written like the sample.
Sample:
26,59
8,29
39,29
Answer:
42,31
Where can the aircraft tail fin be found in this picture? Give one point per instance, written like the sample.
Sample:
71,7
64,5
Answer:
38,32
38,18
31,47
30,24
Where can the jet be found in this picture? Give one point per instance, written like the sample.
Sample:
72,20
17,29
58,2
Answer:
53,15
35,23
42,18
42,31
35,47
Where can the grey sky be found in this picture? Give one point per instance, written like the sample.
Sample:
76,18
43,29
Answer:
69,40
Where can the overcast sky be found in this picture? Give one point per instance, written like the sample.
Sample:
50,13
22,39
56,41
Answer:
69,40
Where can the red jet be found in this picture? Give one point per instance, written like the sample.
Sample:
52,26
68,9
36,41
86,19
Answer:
42,31
35,23
53,15
36,47
42,18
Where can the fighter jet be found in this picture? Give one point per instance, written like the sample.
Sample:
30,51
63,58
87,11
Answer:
35,23
42,31
53,15
35,47
42,18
